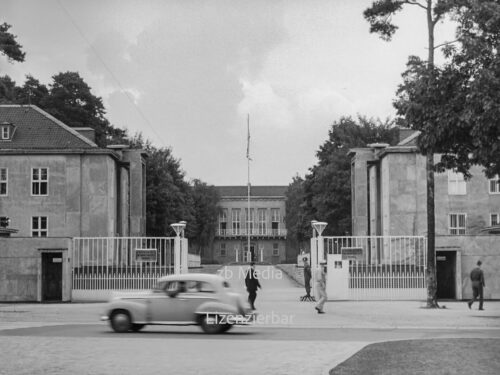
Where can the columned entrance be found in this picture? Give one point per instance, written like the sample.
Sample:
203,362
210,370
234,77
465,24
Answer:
249,256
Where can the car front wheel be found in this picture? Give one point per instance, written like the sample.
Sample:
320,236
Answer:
120,321
211,325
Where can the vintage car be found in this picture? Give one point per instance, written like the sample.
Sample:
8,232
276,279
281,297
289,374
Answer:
187,299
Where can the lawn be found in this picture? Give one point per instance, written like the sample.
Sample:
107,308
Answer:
436,356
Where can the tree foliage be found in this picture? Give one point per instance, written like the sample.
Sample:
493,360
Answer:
325,193
206,211
456,106
9,46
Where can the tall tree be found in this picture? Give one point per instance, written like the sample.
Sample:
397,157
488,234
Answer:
9,46
8,90
298,225
206,211
379,16
462,96
72,102
168,195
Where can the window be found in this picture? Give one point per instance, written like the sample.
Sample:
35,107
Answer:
494,219
262,221
222,249
3,181
275,221
223,221
457,223
276,249
5,132
39,226
456,183
494,185
249,220
235,219
40,181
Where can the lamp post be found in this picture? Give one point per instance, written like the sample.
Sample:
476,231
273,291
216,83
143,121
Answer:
319,226
179,261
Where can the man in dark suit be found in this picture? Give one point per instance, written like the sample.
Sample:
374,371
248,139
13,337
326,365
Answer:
307,276
477,278
252,283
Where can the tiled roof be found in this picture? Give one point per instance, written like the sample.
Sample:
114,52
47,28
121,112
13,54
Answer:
36,129
255,191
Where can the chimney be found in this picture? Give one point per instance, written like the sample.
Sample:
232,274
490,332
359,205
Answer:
88,133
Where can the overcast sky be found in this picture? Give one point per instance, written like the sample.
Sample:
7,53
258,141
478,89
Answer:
186,73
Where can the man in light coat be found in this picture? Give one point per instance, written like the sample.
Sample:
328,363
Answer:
320,283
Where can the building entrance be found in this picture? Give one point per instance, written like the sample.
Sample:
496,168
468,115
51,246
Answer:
446,274
249,256
52,276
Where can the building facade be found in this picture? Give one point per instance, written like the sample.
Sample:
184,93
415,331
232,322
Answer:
389,197
56,184
263,226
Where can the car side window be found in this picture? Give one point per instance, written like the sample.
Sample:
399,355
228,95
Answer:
205,287
161,286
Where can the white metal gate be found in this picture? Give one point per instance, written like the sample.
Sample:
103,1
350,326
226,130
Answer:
382,267
102,264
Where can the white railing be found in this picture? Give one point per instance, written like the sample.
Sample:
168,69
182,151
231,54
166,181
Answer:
253,232
384,267
119,263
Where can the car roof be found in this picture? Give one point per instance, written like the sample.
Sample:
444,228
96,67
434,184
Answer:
194,277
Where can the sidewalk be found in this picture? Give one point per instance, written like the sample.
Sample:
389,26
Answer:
278,305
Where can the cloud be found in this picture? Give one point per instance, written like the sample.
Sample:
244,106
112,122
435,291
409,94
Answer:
261,101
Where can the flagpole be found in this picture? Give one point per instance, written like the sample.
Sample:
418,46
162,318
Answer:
248,186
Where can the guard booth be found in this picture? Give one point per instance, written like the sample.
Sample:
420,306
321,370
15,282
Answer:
372,267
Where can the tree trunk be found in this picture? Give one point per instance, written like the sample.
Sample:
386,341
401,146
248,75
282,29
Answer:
430,276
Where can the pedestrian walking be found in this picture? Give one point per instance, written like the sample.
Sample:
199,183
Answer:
307,277
320,279
477,278
252,283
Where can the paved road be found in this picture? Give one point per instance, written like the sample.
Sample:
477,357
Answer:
68,338
95,349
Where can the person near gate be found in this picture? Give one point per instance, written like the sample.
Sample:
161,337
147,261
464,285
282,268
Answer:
477,278
320,283
307,276
252,283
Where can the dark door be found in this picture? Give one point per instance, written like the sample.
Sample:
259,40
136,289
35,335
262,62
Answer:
445,270
52,276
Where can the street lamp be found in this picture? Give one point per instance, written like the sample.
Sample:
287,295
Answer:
319,227
180,255
179,228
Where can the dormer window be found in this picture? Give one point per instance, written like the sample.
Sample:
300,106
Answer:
6,131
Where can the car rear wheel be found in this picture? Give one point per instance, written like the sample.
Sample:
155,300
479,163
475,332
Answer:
211,325
137,327
120,321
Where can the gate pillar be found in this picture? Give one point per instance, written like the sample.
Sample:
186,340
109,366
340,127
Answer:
337,280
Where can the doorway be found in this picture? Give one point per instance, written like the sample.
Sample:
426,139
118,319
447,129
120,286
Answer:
446,274
52,276
249,257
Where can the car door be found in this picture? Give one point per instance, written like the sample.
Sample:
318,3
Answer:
198,293
165,306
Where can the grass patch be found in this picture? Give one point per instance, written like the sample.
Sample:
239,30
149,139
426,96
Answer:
435,356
